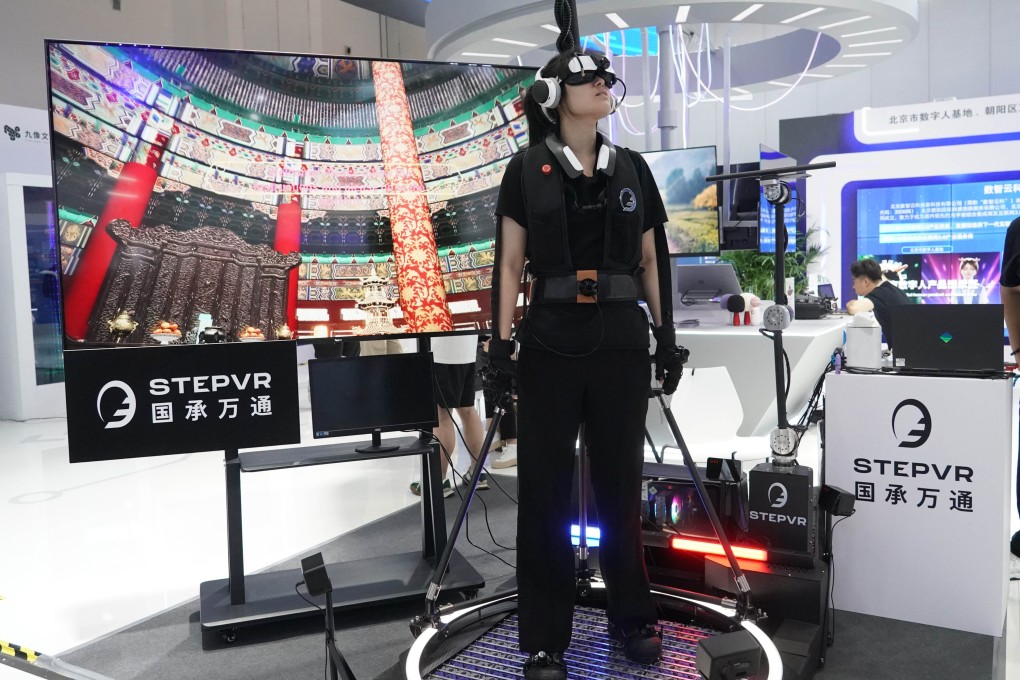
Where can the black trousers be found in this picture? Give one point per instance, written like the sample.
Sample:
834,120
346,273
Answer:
608,391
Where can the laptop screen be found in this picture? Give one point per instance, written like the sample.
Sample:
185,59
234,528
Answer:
948,337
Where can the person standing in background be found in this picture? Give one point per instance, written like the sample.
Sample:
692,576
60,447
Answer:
453,359
1009,292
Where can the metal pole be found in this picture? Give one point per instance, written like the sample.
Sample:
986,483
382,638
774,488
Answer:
646,89
235,532
727,186
668,114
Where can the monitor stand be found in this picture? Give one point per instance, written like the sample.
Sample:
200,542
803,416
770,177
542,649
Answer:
376,446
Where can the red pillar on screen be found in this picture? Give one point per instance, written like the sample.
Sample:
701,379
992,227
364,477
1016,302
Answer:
419,277
288,240
128,201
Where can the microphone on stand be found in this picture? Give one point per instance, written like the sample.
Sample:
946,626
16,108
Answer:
734,304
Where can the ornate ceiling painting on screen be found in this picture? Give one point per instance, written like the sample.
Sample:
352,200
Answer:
311,194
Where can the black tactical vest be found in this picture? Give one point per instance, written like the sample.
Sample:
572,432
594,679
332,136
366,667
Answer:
549,251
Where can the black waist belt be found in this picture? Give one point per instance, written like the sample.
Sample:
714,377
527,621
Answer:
585,286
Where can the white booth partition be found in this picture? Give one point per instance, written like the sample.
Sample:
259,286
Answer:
31,358
928,459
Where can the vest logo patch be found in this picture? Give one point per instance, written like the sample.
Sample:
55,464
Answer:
628,200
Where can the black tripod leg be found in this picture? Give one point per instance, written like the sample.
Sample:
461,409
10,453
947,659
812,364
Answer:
436,586
744,589
338,668
655,451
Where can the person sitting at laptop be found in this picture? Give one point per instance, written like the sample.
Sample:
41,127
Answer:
875,294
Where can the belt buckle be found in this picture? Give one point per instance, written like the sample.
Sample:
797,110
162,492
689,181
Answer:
587,286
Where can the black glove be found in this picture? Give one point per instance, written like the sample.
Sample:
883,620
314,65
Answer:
669,358
498,373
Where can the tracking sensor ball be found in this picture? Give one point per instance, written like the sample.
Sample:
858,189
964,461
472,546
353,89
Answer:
777,318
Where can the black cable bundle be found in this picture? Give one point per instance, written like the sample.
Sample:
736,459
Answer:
564,12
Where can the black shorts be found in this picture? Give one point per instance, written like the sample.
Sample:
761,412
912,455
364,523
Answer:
455,385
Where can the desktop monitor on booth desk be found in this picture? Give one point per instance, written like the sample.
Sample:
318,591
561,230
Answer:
371,395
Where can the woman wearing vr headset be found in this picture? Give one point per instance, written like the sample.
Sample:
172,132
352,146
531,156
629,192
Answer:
587,219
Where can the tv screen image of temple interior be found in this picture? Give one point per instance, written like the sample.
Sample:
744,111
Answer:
275,196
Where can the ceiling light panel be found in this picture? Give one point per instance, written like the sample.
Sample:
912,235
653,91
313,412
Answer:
876,42
487,55
748,12
508,41
617,19
803,15
681,13
844,22
871,32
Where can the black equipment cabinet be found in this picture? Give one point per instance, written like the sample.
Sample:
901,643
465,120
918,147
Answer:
246,600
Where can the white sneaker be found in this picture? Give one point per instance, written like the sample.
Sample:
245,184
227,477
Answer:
1014,568
507,459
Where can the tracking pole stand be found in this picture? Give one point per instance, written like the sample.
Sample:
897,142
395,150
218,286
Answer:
779,316
431,616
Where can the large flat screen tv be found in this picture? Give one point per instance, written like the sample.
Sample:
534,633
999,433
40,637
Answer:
691,203
275,195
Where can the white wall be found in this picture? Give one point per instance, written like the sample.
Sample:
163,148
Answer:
964,49
314,26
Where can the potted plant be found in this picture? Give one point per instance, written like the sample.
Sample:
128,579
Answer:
756,271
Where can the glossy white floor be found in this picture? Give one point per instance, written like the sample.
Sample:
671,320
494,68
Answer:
90,549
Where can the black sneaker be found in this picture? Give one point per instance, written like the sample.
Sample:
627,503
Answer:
543,666
641,645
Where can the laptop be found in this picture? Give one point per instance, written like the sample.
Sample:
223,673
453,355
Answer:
826,292
827,295
948,338
702,283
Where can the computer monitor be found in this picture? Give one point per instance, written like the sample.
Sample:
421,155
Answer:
692,227
371,395
694,283
739,229
826,292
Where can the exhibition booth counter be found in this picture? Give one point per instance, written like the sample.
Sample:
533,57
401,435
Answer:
748,356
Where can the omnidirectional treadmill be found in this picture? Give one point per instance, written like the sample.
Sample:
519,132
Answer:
703,636
478,638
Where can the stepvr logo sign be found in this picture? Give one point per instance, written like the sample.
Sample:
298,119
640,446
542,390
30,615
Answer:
778,495
911,423
125,406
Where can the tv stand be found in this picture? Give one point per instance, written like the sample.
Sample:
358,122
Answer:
376,446
242,600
